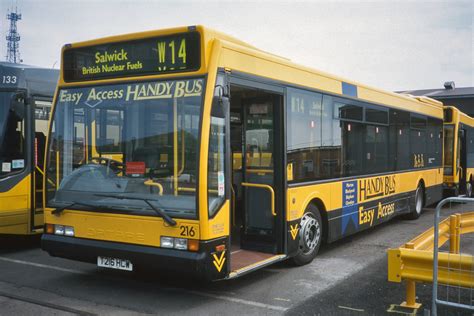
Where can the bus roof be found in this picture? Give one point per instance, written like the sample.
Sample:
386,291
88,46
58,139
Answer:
38,81
276,68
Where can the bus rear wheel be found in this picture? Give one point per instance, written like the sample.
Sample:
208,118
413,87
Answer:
419,203
310,236
469,188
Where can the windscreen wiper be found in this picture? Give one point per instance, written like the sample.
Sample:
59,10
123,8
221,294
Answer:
157,210
59,210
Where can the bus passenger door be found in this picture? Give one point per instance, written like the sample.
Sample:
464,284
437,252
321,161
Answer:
261,174
256,132
41,111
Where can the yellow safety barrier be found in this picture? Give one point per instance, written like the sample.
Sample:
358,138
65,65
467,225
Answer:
413,262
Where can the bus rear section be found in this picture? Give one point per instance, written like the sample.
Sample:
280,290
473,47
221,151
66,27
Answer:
458,152
25,103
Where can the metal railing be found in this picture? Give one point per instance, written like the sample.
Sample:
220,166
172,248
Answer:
459,264
420,259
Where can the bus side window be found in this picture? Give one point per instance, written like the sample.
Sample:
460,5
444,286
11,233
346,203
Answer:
12,134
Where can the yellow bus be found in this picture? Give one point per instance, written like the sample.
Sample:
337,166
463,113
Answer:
458,152
228,158
26,95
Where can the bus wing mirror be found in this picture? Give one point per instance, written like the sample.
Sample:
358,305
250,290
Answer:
220,106
18,104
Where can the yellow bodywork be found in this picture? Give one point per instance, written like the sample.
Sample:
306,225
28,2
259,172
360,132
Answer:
458,118
220,51
15,208
330,193
145,230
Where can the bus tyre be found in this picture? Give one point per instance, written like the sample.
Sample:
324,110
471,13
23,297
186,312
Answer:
419,203
310,236
469,188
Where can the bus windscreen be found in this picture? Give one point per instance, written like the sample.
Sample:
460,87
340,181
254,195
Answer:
157,55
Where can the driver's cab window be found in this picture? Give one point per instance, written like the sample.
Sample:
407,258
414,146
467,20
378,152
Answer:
108,130
458,152
12,133
153,141
79,139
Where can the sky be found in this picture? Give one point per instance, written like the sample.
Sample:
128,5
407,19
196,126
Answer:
394,45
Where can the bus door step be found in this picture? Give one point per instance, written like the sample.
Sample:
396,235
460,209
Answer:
245,261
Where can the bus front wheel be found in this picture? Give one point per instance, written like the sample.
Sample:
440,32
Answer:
310,236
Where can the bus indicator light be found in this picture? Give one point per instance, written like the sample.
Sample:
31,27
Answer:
193,245
49,228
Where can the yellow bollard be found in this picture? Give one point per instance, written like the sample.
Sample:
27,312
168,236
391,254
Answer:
454,234
411,296
458,232
411,288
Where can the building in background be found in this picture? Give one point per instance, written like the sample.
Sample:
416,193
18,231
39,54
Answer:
462,98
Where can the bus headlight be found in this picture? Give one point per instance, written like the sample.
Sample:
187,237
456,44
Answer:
167,242
181,243
64,230
69,231
58,229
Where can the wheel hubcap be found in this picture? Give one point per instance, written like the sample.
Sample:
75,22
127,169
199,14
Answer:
310,233
419,201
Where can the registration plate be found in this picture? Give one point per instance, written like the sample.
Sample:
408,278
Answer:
114,263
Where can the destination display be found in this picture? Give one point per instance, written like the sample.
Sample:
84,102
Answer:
157,55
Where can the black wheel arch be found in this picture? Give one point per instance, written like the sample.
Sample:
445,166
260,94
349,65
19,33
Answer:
421,183
324,216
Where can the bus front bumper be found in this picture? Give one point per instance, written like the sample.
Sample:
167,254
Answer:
88,250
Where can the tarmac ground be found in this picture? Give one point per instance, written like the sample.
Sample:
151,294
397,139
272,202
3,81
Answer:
348,277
